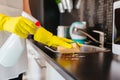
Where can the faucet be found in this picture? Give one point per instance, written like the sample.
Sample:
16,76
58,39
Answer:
101,38
82,31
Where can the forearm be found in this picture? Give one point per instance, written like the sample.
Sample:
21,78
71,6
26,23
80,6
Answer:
26,6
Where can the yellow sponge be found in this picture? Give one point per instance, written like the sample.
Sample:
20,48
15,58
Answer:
74,49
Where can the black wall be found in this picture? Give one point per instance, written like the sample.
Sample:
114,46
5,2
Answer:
46,11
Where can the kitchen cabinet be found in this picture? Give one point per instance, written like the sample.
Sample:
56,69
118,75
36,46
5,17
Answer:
52,74
39,68
36,64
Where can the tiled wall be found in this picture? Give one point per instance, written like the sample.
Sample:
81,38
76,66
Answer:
97,13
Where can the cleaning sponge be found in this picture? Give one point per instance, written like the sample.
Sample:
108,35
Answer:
74,49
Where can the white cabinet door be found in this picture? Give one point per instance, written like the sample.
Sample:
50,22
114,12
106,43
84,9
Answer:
52,74
36,64
39,68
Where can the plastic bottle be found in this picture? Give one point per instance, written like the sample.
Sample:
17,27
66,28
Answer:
60,6
69,5
11,50
14,46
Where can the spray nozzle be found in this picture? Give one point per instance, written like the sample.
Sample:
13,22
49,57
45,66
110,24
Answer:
26,15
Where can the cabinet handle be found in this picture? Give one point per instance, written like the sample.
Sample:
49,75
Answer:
41,65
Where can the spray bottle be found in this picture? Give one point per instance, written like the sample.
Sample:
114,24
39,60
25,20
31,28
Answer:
14,46
11,50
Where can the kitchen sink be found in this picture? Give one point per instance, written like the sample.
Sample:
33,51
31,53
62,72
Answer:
84,49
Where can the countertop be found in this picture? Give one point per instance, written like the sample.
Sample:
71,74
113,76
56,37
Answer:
89,66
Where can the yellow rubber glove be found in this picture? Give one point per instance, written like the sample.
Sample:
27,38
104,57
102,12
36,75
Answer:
17,25
2,20
46,37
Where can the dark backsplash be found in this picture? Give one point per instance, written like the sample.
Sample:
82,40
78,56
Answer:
97,14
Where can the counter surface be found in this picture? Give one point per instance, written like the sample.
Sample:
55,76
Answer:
96,66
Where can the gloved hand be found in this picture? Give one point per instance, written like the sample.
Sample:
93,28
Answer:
17,25
46,37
